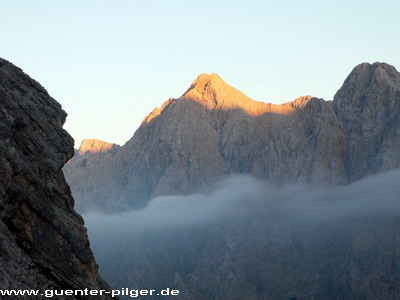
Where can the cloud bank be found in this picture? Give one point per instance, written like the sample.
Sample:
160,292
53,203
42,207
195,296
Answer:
242,197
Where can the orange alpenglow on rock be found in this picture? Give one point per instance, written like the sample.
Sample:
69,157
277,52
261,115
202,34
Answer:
94,146
217,94
214,93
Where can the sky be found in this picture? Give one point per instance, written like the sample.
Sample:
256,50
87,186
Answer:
109,63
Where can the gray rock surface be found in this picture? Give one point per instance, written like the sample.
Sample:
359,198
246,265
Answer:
89,160
43,243
368,107
214,130
253,260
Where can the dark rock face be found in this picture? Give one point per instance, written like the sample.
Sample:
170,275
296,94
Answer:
43,241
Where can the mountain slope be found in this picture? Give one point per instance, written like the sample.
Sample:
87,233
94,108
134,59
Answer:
90,159
214,130
44,244
249,239
185,146
368,106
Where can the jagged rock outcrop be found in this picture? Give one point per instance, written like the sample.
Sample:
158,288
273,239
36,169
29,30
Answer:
44,244
368,107
90,159
214,130
95,146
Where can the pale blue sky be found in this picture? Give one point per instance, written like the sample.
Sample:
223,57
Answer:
109,63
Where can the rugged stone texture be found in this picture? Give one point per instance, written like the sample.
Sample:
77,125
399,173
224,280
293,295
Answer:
186,146
214,130
43,241
350,259
95,146
89,160
368,107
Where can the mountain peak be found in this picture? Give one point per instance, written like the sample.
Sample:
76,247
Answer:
213,92
365,76
375,69
205,83
95,146
205,78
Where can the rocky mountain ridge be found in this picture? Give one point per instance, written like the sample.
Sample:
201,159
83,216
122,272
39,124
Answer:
214,130
344,247
95,146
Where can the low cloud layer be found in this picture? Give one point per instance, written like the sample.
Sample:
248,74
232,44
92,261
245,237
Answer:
241,197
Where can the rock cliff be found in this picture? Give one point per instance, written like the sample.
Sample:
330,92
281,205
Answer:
368,108
44,244
214,130
95,146
90,159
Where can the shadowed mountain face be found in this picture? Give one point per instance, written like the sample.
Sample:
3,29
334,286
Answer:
43,241
368,107
273,237
214,130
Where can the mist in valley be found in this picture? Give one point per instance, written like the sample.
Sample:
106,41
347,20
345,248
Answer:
251,239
